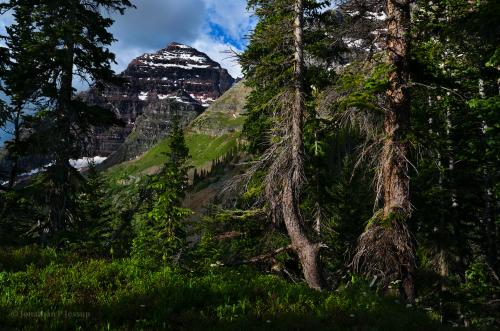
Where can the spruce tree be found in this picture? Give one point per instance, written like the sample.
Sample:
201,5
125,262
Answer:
373,93
275,68
454,52
19,76
97,214
160,225
69,40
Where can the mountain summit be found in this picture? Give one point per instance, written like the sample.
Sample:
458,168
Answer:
178,75
178,67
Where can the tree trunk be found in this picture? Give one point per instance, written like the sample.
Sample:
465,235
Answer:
306,249
59,200
488,197
395,169
396,181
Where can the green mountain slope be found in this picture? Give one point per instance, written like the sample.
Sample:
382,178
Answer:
209,137
225,115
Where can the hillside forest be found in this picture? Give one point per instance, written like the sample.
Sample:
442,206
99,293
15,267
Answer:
349,181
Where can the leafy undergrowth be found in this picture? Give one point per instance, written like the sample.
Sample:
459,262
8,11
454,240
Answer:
100,294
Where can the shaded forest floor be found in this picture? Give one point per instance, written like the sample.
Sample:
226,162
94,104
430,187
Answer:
43,289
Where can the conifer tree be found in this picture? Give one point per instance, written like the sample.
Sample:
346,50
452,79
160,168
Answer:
73,35
386,249
274,65
455,48
160,227
93,228
19,78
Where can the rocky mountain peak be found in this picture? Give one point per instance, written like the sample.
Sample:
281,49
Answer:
176,74
178,67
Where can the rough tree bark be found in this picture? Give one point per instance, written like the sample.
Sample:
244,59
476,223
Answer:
306,249
385,249
395,167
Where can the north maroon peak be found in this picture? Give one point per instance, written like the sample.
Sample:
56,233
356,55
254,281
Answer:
178,67
177,73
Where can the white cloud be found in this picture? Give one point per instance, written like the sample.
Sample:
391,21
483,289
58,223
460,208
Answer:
155,23
220,52
236,22
231,15
125,54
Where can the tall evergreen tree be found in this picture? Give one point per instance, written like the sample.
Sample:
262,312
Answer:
21,78
92,233
160,227
274,66
454,50
73,35
306,248
380,106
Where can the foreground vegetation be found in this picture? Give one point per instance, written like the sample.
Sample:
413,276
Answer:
45,289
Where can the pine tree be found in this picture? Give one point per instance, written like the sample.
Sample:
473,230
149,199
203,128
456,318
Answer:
4,114
19,77
395,155
97,213
73,35
306,248
160,226
372,95
274,67
454,54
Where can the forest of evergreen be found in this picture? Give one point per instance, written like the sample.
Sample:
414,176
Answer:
363,192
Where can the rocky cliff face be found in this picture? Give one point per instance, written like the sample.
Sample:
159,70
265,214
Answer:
153,125
178,67
176,74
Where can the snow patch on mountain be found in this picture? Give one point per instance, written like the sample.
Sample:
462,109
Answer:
178,56
85,162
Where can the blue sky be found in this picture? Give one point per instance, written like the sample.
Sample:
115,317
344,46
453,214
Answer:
211,26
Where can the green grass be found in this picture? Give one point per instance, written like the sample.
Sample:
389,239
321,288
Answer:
100,294
226,113
217,121
154,157
202,148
